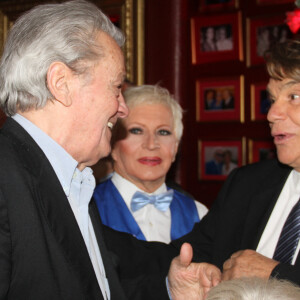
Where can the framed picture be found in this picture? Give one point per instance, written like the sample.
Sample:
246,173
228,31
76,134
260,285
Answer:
262,34
274,1
218,158
261,150
211,5
260,101
216,38
220,99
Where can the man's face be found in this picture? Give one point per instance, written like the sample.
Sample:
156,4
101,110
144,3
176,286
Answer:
284,119
97,104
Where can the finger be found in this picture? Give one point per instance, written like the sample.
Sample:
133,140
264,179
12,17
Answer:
226,275
216,277
227,264
186,254
236,254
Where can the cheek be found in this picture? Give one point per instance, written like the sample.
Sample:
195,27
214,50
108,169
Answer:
294,115
169,149
124,150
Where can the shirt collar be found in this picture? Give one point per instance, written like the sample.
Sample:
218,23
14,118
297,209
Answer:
62,162
127,188
295,186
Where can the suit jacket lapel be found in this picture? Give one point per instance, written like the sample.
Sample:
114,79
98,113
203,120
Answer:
265,200
65,228
55,206
109,265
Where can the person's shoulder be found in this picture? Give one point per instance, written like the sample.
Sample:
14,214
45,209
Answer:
264,171
265,166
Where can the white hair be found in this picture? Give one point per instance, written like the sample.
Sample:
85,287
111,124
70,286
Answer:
254,288
47,33
154,94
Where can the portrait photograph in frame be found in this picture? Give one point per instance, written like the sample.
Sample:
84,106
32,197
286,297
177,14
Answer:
220,99
262,34
213,5
260,101
261,150
218,158
216,39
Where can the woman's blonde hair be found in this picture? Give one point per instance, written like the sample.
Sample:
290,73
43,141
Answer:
154,94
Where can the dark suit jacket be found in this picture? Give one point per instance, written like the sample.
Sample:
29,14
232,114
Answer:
42,252
239,215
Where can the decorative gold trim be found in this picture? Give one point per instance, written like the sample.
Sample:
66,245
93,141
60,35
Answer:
242,99
244,146
140,45
248,42
252,95
3,29
133,27
240,31
250,151
127,26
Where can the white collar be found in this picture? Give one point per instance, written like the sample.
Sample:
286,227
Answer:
127,188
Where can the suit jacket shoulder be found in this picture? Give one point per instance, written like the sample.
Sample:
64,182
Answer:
38,230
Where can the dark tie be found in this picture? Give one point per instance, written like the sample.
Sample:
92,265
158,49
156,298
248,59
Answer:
289,237
160,201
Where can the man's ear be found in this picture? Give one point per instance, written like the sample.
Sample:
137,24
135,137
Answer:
57,81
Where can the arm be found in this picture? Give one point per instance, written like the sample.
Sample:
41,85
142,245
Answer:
142,266
287,272
250,263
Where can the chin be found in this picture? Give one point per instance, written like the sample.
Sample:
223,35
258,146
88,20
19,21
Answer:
152,177
289,161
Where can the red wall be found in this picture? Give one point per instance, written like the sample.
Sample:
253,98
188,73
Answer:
168,61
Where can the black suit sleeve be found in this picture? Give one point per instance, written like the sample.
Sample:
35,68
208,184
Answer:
287,272
142,266
207,237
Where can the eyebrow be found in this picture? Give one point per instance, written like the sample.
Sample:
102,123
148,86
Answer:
290,83
286,85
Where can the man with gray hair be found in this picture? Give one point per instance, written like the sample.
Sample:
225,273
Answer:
61,75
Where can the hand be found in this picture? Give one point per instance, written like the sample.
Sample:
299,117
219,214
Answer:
189,280
248,263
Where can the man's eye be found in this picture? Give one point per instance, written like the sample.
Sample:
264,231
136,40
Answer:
164,132
135,130
294,96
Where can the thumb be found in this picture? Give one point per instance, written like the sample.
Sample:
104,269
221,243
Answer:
186,254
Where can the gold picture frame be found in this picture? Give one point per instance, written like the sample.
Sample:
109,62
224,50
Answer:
131,15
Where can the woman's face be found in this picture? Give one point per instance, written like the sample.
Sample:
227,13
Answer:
146,153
